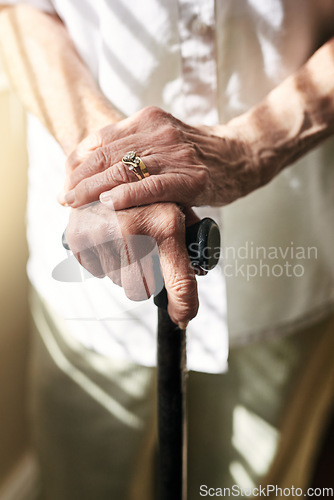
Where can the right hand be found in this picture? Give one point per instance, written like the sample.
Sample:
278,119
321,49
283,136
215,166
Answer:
105,242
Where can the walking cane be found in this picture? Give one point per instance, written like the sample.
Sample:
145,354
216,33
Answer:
203,244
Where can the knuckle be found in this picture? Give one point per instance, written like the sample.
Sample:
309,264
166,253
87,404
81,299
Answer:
96,163
69,164
182,286
127,225
203,186
83,150
199,182
91,142
203,175
152,112
100,160
154,187
109,176
118,174
73,161
171,220
191,152
72,238
76,238
186,301
174,134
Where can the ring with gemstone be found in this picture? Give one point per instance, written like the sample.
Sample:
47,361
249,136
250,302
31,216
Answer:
135,164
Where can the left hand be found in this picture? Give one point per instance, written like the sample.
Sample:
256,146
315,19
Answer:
123,245
187,165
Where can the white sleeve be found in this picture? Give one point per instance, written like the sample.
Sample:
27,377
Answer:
44,5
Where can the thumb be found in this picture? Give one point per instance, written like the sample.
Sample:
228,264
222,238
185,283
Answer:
180,281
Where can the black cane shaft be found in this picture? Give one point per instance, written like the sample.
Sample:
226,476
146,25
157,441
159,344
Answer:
171,349
203,243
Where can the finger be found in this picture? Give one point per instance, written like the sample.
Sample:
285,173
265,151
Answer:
180,281
143,250
175,187
84,251
100,264
77,157
153,189
150,272
135,281
100,138
88,259
110,262
88,190
130,272
100,159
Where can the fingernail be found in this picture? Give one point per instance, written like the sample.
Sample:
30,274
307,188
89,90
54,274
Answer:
69,197
105,196
183,325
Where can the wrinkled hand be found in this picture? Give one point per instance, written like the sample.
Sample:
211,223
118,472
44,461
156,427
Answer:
187,165
122,245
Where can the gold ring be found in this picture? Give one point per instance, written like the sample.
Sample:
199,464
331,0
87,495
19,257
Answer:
135,164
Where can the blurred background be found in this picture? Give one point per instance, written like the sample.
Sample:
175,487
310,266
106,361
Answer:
17,467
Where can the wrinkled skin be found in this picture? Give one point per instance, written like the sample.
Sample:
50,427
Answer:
187,165
104,242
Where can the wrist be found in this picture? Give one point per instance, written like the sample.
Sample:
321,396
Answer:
260,141
98,113
242,166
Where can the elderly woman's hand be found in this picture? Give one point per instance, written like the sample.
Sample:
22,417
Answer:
123,245
187,165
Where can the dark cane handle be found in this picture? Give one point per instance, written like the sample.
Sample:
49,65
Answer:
203,245
202,240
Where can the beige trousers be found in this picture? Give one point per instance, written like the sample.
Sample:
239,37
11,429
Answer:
94,418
